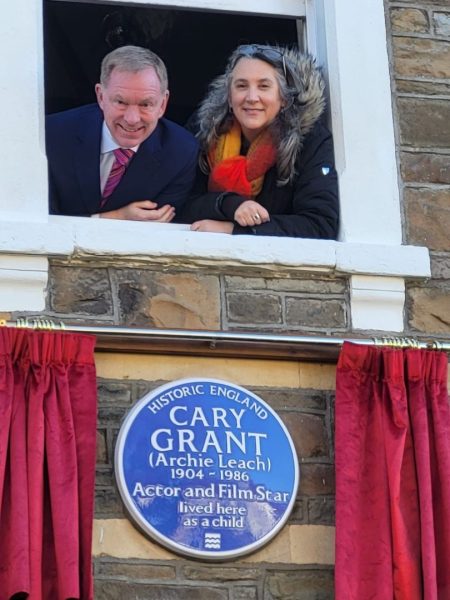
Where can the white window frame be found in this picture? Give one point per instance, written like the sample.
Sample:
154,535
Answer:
349,40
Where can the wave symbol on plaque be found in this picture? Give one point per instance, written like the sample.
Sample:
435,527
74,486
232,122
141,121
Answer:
213,540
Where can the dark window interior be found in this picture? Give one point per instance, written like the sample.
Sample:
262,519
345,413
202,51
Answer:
193,44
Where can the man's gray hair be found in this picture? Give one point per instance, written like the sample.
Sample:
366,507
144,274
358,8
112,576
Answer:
133,59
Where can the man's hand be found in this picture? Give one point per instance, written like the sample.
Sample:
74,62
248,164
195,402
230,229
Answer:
251,213
212,226
143,210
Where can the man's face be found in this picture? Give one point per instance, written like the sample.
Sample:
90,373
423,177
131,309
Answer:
132,103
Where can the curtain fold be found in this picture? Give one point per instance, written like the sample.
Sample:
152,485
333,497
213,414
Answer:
47,464
392,475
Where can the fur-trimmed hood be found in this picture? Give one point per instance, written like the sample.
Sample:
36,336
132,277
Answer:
310,88
306,104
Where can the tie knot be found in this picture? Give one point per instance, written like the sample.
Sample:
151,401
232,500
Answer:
123,155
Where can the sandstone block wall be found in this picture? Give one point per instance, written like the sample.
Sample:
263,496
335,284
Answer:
420,47
111,292
149,581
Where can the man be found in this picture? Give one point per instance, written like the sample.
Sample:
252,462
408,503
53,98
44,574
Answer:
120,159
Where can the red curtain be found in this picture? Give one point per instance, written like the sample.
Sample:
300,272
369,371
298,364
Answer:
47,464
392,475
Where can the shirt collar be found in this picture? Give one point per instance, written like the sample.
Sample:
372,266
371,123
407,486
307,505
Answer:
108,143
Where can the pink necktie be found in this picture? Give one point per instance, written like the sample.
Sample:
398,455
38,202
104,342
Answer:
122,158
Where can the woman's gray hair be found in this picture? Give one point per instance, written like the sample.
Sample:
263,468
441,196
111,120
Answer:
133,59
302,92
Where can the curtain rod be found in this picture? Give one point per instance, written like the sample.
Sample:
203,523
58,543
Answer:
220,343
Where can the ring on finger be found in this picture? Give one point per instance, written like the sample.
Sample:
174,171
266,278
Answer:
256,217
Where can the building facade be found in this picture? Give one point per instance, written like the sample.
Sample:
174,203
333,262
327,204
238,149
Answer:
388,69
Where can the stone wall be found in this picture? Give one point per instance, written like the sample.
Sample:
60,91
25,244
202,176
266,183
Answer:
111,292
420,46
187,581
139,580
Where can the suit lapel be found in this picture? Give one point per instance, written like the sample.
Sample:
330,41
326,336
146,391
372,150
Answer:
87,159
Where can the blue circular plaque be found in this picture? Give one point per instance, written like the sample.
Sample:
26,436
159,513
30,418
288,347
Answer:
206,468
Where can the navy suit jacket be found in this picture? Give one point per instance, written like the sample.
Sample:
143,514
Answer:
163,169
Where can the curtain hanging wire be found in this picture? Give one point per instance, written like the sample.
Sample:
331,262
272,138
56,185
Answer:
220,343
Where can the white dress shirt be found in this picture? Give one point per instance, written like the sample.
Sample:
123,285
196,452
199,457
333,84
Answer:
107,147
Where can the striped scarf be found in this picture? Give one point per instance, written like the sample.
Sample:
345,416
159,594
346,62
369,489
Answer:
232,172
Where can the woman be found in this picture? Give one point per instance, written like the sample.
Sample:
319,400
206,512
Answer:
266,166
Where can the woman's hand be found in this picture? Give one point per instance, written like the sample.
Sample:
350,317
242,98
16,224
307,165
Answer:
212,226
251,213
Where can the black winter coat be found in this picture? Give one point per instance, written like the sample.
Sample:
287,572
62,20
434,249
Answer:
307,208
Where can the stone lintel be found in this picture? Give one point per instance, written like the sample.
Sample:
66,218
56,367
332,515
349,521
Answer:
295,544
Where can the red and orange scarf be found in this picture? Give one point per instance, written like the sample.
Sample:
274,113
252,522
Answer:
232,172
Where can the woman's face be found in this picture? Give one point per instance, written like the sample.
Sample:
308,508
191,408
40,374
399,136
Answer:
254,95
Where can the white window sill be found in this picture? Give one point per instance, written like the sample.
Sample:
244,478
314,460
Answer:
376,272
158,242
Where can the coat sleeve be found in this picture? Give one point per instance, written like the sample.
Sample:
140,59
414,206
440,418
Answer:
315,201
219,206
177,190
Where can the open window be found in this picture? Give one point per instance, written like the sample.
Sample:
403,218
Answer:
194,45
